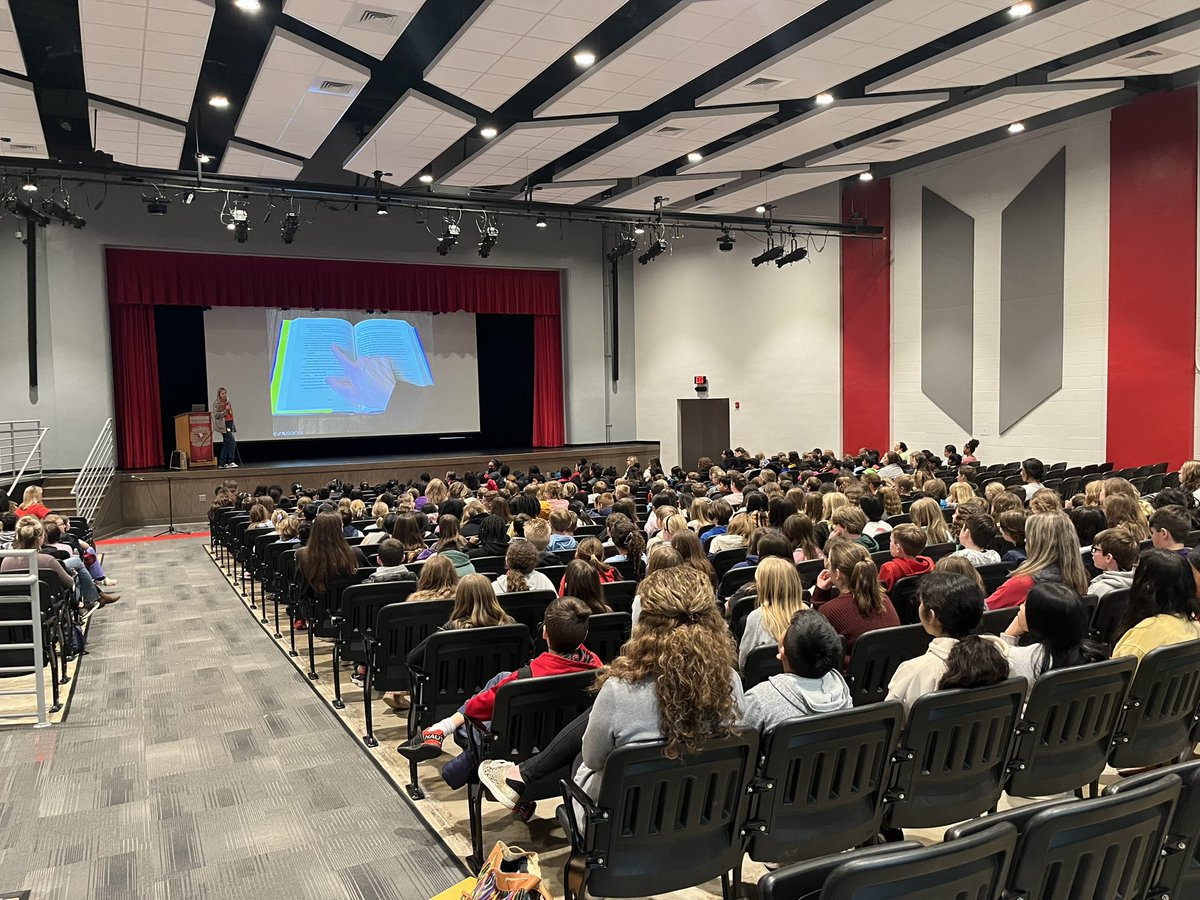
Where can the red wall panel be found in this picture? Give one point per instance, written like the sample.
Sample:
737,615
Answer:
1152,280
866,320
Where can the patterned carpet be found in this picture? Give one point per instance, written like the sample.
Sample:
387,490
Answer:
196,762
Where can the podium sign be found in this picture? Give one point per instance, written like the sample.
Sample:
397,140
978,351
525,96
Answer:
194,438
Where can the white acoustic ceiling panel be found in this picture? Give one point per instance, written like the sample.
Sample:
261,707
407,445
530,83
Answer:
675,190
136,139
525,148
681,45
814,130
20,124
671,137
372,26
413,134
1034,40
1163,54
300,93
508,43
870,36
251,162
994,110
10,47
146,53
737,198
569,192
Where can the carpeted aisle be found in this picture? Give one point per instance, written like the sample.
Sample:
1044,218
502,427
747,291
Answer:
195,762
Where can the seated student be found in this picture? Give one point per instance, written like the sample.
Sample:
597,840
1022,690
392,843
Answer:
907,542
926,513
8,529
849,521
520,564
1163,608
802,536
741,528
977,536
1169,529
439,579
1054,555
411,535
562,523
493,538
780,594
721,513
1054,615
958,565
30,535
391,563
960,492
348,529
811,683
630,544
602,507
1012,530
872,507
1114,554
564,628
591,551
581,582
259,520
537,532
664,556
687,545
764,543
31,504
951,608
861,604
1032,472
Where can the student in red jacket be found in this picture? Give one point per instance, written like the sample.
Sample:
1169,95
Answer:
907,543
31,504
564,629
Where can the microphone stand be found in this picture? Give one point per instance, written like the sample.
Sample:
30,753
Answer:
171,529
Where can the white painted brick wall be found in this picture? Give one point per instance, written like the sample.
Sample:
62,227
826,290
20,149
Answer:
1070,426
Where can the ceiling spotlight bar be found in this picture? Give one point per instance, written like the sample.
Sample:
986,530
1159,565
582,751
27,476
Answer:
489,230
449,235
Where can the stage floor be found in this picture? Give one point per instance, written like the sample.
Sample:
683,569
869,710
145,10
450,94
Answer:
153,496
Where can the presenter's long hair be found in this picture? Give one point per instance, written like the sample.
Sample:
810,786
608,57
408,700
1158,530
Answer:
326,555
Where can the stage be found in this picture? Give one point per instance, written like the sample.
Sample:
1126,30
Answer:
144,497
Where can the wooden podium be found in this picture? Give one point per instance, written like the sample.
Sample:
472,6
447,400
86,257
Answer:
194,439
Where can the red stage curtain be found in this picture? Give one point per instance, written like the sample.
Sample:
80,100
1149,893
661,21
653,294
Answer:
139,280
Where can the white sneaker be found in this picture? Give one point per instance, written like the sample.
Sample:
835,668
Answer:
232,466
491,774
107,582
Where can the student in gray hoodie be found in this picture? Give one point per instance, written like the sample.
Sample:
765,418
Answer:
811,652
1114,554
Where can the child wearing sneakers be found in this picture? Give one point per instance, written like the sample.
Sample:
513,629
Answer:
564,628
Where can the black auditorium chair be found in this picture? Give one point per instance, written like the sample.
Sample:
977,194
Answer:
876,656
527,608
725,560
761,663
607,634
904,598
1109,615
734,579
619,595
1160,715
355,618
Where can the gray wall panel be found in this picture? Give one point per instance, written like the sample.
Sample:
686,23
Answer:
947,307
1033,247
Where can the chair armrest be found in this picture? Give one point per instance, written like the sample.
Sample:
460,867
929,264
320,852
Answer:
573,793
807,878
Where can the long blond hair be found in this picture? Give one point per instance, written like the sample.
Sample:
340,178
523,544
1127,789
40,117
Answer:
1051,541
780,594
928,514
862,578
1120,509
831,501
681,641
476,604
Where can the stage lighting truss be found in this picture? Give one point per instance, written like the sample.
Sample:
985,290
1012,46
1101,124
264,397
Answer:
449,236
58,207
489,231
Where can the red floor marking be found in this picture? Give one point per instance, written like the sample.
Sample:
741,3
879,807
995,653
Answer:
108,542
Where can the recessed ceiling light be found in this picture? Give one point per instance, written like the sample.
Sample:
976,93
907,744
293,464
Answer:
203,158
541,221
760,209
1020,9
248,5
1016,127
220,101
824,99
584,58
694,156
866,176
425,178
489,132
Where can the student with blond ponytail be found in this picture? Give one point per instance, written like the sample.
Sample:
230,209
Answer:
860,604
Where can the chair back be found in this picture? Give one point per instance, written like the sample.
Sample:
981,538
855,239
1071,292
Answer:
1178,875
619,595
458,663
1161,710
489,565
761,663
631,570
904,598
740,612
530,712
994,575
607,634
361,604
527,608
734,579
937,551
1109,614
724,561
995,621
1067,728
879,557
324,605
876,656
821,782
809,570
954,754
399,628
652,809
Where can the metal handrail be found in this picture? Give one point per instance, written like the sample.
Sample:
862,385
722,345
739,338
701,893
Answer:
37,668
19,434
92,481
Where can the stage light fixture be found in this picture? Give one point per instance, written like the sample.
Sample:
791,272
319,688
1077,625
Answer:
30,185
695,156
796,255
540,221
585,58
60,209
726,241
381,209
639,228
448,238
625,245
760,209
769,255
188,198
203,158
26,210
157,203
656,249
490,235
291,224
1017,10
248,5
220,101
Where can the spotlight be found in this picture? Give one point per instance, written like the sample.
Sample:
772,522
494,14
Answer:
866,176
30,185
695,157
1017,10
61,210
241,232
157,204
824,99
541,222
769,255
448,238
25,209
625,245
639,228
426,178
584,58
203,158
490,235
248,5
188,198
220,101
726,241
760,209
656,249
291,224
488,132
381,209
797,254
238,221
1016,127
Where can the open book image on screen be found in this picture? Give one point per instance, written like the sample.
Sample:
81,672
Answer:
327,365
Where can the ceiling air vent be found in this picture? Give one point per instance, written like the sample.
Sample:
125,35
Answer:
765,83
325,86
889,142
381,21
1145,57
1145,54
670,130
27,149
